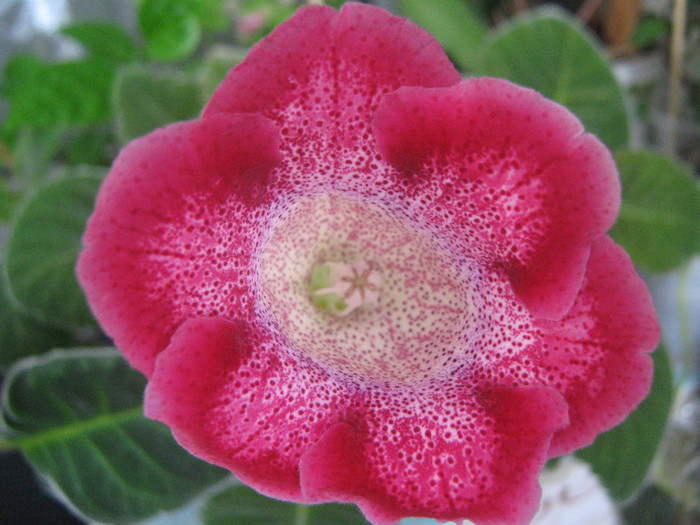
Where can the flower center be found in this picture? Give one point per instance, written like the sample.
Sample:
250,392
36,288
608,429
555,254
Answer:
363,292
340,288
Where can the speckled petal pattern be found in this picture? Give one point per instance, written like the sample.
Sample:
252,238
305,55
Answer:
236,400
448,454
493,324
598,352
292,431
172,227
321,76
508,174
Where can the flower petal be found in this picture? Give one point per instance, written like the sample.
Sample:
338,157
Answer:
169,235
444,454
510,175
594,356
321,75
597,353
234,401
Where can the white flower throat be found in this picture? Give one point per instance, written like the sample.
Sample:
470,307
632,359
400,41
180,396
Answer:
363,293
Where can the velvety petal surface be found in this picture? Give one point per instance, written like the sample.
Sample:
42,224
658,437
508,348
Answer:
174,242
233,398
172,231
508,174
447,454
322,74
597,355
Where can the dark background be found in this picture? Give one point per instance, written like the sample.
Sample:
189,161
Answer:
22,501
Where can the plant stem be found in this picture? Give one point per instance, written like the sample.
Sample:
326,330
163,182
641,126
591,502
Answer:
679,21
301,515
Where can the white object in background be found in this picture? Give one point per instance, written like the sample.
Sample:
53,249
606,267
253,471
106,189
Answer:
573,495
660,7
22,20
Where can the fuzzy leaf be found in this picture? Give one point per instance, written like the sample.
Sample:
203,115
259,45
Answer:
8,201
43,249
145,101
20,335
659,221
550,53
453,22
171,28
77,416
102,40
42,94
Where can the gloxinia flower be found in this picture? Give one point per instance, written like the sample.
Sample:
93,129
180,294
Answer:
359,278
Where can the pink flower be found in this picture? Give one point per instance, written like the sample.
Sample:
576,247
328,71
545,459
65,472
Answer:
358,278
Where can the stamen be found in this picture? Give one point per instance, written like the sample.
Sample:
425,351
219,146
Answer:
340,288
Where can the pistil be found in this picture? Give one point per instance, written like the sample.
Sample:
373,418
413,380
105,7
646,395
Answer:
341,288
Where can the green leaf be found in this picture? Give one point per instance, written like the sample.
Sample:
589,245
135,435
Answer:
8,201
621,457
240,505
146,100
553,55
43,249
171,28
650,30
80,171
213,14
95,145
20,335
653,506
33,151
658,223
102,40
78,418
218,61
43,95
456,26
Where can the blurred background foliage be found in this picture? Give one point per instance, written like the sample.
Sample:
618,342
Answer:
82,78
